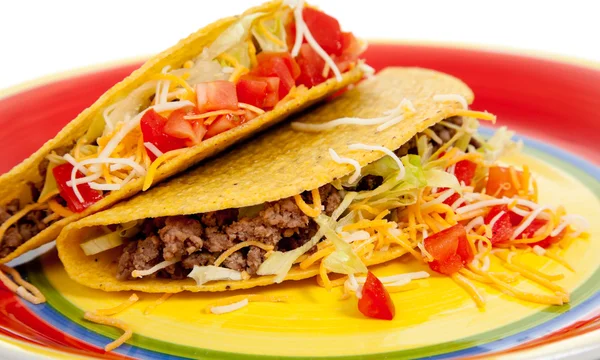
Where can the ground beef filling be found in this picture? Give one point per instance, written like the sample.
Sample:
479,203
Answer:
200,239
26,228
31,224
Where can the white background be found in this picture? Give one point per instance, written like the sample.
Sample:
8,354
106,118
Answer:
43,37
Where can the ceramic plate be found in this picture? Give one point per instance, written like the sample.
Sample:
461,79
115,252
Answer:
551,104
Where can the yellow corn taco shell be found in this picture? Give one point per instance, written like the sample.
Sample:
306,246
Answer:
280,164
14,184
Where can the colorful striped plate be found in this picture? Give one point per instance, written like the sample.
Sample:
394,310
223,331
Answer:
552,106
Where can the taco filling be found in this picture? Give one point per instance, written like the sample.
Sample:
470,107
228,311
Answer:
261,61
441,196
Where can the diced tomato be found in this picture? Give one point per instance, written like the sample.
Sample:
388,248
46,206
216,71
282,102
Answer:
443,244
153,131
311,67
223,123
448,266
450,249
351,49
325,29
500,183
280,65
530,230
503,227
190,130
464,171
350,44
265,57
262,92
452,199
376,301
216,95
464,249
62,174
550,240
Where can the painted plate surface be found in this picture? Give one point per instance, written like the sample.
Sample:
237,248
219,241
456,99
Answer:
551,104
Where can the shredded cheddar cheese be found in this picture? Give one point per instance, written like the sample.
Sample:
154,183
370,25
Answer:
157,303
309,211
224,255
316,256
470,288
105,320
19,286
481,115
58,209
250,298
213,113
119,308
159,161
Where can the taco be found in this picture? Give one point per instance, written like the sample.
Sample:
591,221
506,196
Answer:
218,86
394,166
244,219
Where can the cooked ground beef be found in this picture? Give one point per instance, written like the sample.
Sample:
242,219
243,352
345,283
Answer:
26,228
200,239
181,236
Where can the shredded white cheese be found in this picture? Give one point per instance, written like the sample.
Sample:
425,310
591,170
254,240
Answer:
355,236
229,308
452,97
457,203
171,106
71,160
127,162
153,149
390,118
344,160
84,180
105,187
492,202
440,199
384,150
579,222
367,70
161,265
478,221
496,218
538,250
527,222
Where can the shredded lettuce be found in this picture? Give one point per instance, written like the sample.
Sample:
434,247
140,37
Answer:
343,260
232,36
439,178
204,274
50,187
276,28
383,167
279,263
101,243
241,54
129,229
469,127
414,171
498,145
95,130
424,148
